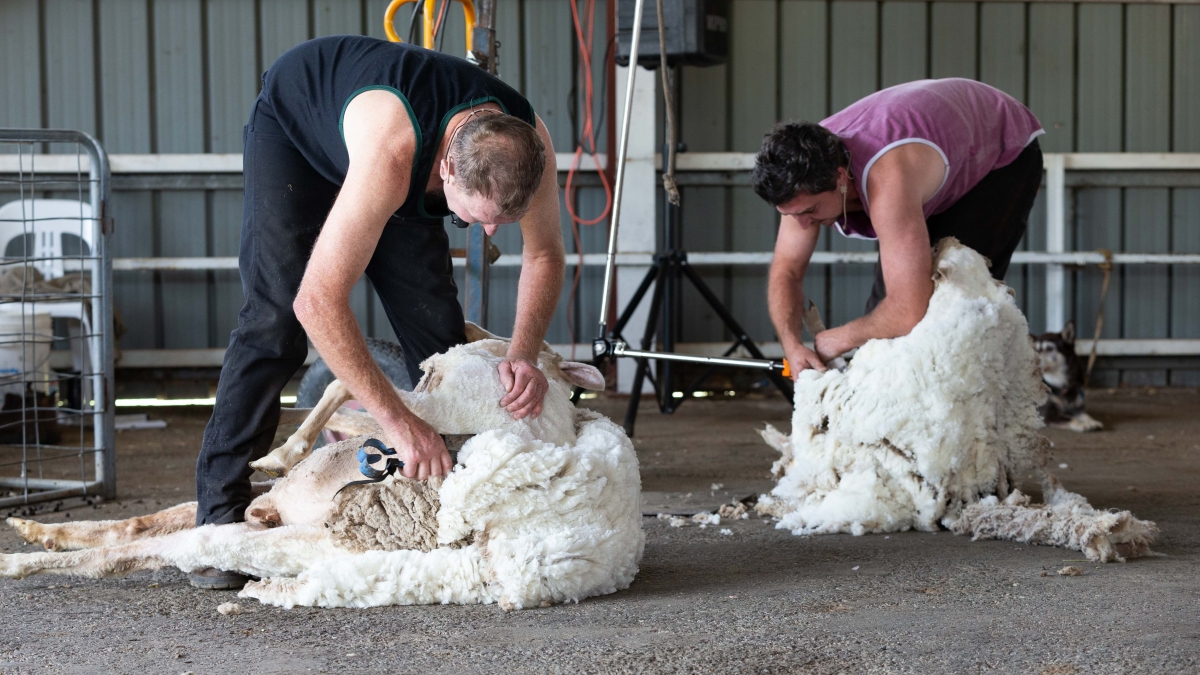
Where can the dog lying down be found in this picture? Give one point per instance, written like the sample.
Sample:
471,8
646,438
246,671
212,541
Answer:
933,429
536,511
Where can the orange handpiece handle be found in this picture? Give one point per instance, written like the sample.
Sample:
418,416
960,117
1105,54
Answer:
787,368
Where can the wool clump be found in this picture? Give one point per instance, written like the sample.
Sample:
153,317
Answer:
933,429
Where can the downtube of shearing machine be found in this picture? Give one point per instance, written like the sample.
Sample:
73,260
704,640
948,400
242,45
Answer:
619,189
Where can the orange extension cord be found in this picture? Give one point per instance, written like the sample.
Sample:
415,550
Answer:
589,136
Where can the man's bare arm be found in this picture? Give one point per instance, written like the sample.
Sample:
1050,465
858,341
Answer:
375,186
794,247
542,271
542,261
898,186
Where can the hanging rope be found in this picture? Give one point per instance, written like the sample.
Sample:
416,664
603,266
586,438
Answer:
669,175
1106,267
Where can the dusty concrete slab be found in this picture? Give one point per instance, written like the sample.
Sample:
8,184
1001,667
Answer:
755,600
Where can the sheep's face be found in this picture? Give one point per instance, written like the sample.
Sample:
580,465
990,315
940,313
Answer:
963,267
460,391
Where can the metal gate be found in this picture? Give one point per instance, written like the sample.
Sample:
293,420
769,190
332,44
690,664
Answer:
56,318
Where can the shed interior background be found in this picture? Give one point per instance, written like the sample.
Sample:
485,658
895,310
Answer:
179,76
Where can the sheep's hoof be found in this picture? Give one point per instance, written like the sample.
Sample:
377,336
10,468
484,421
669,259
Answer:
9,567
270,466
32,532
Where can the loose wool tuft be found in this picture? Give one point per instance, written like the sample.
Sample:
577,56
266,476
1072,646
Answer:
921,428
1065,520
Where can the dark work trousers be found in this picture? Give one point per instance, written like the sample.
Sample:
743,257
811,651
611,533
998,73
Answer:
286,203
991,218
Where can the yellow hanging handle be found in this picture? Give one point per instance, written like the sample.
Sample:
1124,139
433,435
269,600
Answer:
428,20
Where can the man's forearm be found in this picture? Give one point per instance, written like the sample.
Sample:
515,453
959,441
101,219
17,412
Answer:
537,296
334,331
785,302
889,319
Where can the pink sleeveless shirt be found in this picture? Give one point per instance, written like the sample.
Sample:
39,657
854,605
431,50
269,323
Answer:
974,127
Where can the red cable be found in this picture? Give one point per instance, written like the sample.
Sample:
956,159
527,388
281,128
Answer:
437,27
589,135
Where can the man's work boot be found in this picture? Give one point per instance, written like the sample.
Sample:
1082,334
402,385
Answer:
213,579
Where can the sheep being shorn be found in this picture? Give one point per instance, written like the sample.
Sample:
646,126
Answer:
933,428
536,511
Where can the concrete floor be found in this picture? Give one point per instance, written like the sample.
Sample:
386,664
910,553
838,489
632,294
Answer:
759,600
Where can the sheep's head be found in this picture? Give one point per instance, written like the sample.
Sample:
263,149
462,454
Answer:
461,390
963,267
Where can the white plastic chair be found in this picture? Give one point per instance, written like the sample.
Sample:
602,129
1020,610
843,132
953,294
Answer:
50,222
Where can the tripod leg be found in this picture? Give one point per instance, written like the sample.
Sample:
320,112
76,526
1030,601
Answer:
785,387
615,333
627,314
639,377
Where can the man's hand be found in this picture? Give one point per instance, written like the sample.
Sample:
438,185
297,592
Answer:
833,343
526,387
420,448
801,358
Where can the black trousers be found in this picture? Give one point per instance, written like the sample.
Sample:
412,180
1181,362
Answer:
286,203
991,218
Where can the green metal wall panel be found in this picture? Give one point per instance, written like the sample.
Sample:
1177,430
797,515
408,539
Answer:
20,86
905,41
1003,47
954,40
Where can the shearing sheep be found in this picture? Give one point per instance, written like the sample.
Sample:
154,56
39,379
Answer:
933,429
536,511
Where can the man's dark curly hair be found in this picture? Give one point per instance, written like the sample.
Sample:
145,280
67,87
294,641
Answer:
797,157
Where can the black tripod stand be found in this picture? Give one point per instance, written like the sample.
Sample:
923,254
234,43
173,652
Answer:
667,273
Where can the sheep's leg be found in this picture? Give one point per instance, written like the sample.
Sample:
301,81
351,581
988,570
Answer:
280,460
93,533
353,423
377,578
239,547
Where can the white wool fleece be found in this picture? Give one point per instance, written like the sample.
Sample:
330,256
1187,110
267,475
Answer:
928,429
919,425
551,523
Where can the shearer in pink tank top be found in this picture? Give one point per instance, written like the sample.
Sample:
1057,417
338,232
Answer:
907,166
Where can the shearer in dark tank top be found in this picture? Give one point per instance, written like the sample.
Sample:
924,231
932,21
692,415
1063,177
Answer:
355,151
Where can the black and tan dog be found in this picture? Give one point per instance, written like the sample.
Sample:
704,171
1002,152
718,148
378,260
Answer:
1063,371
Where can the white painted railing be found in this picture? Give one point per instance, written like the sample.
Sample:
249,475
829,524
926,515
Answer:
1055,257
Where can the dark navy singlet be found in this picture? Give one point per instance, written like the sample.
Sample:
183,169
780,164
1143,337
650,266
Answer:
309,87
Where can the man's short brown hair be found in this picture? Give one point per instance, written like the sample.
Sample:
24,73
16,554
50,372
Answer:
502,158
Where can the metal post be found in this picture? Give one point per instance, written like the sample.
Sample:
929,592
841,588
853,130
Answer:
622,146
478,274
483,38
105,390
1056,238
478,261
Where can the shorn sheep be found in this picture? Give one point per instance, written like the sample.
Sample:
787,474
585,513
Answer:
536,511
933,429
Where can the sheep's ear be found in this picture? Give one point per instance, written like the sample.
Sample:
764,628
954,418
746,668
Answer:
582,375
475,333
1068,332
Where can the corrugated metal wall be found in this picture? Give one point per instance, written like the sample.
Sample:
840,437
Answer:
180,75
1100,77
